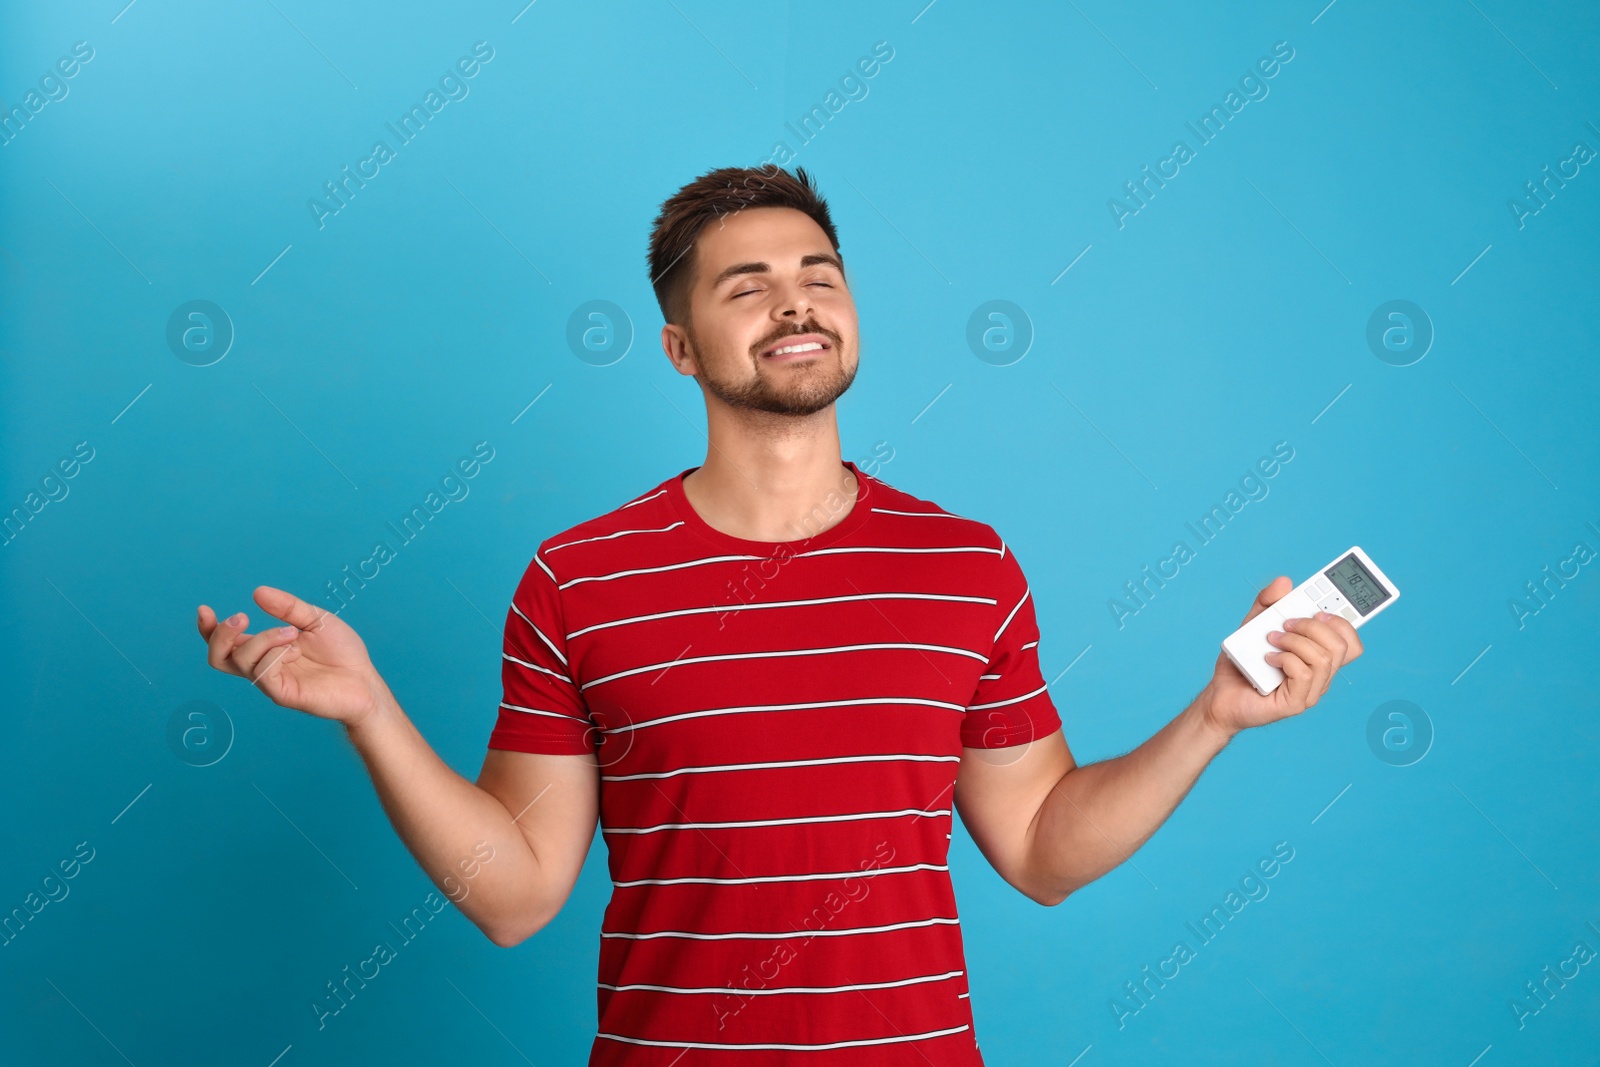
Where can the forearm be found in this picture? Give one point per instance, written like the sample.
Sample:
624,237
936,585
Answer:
1098,815
450,825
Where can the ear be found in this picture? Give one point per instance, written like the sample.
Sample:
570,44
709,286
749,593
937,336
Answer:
675,343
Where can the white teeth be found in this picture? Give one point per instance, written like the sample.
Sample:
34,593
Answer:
809,346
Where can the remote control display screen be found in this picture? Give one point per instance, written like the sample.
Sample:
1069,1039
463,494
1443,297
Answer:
1357,584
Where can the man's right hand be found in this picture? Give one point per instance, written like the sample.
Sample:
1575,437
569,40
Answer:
318,665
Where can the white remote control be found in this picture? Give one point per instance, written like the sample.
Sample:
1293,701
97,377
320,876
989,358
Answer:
1352,586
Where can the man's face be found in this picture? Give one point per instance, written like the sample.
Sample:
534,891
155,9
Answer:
767,278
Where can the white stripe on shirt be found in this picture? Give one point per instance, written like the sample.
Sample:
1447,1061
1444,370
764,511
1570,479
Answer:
782,935
796,555
541,711
876,758
800,820
656,570
899,1038
610,536
786,652
1025,593
1013,700
730,608
548,643
923,514
765,878
742,709
535,666
880,548
642,499
541,563
727,990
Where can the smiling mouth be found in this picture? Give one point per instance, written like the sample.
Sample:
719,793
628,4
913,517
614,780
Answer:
801,346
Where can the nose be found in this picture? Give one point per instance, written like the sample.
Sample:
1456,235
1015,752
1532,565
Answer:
795,303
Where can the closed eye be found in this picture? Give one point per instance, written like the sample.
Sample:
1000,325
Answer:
747,292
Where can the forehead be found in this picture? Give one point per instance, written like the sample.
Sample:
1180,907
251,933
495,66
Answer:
778,236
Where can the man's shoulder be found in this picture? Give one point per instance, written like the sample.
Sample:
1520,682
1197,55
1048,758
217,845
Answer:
916,513
649,510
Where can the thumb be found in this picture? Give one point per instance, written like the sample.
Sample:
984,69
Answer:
1274,591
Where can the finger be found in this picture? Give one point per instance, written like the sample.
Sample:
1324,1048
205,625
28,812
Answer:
1308,652
267,671
1314,655
1267,597
206,622
247,657
1352,643
290,608
1297,677
1324,634
220,641
1322,669
1332,638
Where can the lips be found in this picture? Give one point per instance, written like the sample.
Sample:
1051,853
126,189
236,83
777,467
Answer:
798,339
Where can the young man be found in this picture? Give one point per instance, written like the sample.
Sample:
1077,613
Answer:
772,678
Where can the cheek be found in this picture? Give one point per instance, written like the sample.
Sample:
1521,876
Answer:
732,349
843,313
844,321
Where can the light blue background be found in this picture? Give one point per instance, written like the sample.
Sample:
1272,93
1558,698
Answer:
1227,315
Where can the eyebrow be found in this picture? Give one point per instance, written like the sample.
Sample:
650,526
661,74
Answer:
758,267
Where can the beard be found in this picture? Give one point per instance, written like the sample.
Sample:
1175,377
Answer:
785,389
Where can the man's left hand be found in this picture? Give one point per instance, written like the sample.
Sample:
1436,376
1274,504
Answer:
1308,652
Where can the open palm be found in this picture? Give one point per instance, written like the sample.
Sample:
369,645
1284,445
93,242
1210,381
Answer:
317,664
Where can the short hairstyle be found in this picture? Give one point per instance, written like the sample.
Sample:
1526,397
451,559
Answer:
709,198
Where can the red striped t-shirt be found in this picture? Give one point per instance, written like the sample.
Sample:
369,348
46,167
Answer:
779,726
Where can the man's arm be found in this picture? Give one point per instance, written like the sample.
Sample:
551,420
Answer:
508,850
1050,827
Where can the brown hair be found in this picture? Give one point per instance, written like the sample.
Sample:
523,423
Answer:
708,198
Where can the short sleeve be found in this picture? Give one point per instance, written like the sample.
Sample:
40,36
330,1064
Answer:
542,710
1011,705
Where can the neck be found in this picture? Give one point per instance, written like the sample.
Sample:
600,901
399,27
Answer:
770,477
